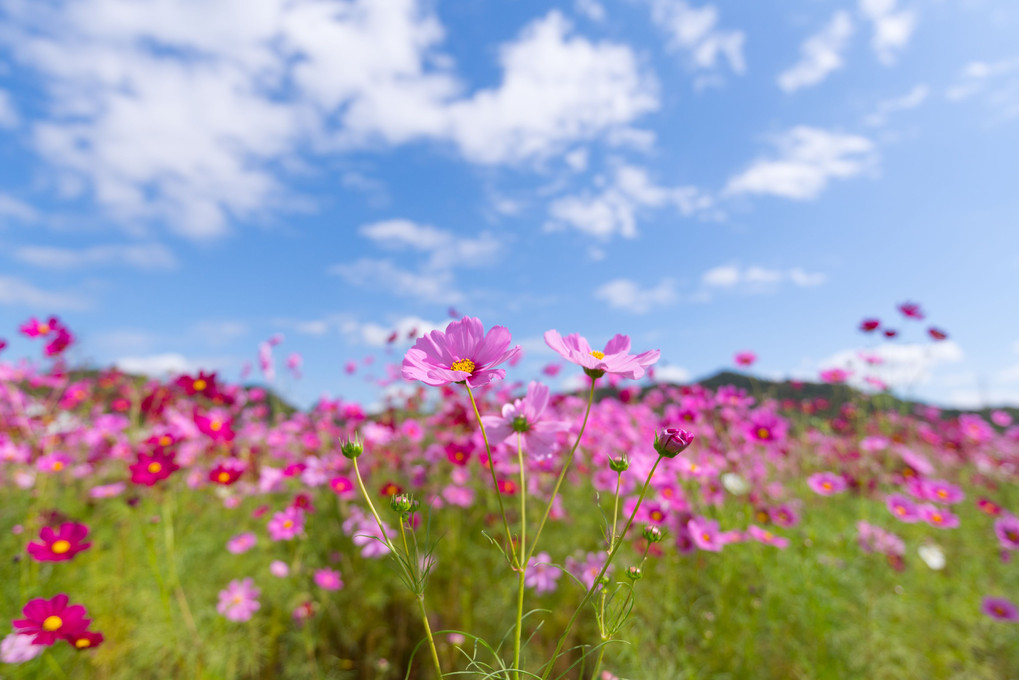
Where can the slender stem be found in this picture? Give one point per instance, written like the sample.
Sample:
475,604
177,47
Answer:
615,511
522,568
562,473
495,482
605,567
597,665
389,544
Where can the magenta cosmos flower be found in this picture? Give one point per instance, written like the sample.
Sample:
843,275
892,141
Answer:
614,359
461,353
51,620
827,483
527,419
328,579
1001,609
60,545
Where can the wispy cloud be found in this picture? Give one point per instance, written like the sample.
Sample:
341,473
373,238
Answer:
996,83
615,209
892,28
16,209
806,160
694,32
627,295
15,292
147,256
912,99
756,279
820,54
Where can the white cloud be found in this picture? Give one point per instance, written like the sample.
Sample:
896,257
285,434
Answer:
807,159
427,286
628,295
591,9
156,364
377,335
892,29
755,279
218,333
9,117
444,248
693,30
820,54
902,365
17,209
997,82
672,374
15,292
912,99
142,256
615,209
172,110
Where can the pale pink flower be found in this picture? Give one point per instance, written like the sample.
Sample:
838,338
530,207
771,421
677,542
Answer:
461,353
615,359
239,600
328,579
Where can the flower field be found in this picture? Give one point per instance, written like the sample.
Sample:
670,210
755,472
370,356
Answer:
481,528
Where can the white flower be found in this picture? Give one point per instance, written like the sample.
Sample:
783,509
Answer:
932,555
735,484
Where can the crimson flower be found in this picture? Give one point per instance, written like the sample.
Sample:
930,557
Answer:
60,545
225,474
51,620
937,333
152,468
615,359
86,639
461,353
911,310
204,383
868,325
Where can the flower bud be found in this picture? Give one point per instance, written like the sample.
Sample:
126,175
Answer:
672,441
352,448
619,464
401,503
653,534
634,573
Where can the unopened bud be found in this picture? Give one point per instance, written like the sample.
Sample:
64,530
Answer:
672,441
634,573
401,503
619,464
653,534
352,448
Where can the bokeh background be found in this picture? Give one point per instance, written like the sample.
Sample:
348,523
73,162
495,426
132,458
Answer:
181,180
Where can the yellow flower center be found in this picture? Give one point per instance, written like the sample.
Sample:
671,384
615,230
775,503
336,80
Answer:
60,547
154,468
597,355
58,466
44,328
82,643
165,440
706,537
223,477
942,493
52,623
900,510
288,524
215,426
826,486
199,385
763,433
938,519
465,365
768,536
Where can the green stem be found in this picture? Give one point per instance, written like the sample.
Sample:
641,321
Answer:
562,473
522,568
495,482
597,580
171,558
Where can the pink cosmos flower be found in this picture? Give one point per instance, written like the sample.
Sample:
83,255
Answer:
51,620
869,325
834,375
904,509
827,483
527,419
938,517
614,359
279,569
286,524
874,539
745,358
940,491
705,534
19,648
766,537
587,570
461,353
241,543
60,545
911,310
239,600
541,574
1006,528
34,328
1001,609
328,579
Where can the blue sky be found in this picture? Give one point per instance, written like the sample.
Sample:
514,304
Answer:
182,179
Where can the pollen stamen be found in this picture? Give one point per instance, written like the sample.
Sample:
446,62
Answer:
597,355
465,365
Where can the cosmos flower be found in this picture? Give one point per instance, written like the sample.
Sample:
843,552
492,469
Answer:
766,537
745,358
18,648
328,579
1007,530
869,325
527,418
938,517
911,310
826,483
241,543
51,620
60,545
239,600
705,534
286,524
151,468
937,333
541,574
902,508
615,359
461,353
1001,609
